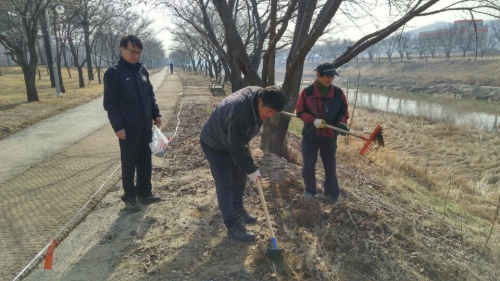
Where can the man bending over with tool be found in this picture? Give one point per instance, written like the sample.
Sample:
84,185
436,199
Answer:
224,137
318,104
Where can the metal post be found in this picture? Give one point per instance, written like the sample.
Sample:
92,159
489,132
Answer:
54,64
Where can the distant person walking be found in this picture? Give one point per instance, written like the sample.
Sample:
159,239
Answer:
131,105
318,104
224,138
171,68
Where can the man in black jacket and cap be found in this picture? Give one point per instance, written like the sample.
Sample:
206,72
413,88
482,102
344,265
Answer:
224,138
131,105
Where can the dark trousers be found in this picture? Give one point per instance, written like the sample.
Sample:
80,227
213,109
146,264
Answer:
136,156
230,182
327,150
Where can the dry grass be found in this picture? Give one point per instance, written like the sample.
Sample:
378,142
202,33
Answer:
390,223
16,113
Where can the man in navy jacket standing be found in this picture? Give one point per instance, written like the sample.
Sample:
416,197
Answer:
131,105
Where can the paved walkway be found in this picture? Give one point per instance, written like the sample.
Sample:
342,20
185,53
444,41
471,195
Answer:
50,170
50,136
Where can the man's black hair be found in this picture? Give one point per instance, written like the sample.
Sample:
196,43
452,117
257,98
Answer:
134,40
273,97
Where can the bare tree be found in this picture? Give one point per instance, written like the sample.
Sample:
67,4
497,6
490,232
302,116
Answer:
485,42
422,47
495,27
153,52
180,59
447,37
254,37
466,36
401,39
371,51
410,44
388,45
18,33
434,44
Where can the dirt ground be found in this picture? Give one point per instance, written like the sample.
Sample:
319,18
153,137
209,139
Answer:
385,227
180,238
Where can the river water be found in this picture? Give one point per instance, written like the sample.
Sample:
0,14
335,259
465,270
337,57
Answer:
464,112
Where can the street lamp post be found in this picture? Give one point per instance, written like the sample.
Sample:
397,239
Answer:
59,9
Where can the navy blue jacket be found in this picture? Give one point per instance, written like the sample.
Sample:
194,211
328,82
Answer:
233,123
129,98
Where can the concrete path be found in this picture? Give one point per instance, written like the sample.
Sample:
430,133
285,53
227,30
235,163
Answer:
50,136
51,170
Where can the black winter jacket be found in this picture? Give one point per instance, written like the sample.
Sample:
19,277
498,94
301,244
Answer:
233,123
129,98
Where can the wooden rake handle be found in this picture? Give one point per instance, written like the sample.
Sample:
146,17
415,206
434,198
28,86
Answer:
331,127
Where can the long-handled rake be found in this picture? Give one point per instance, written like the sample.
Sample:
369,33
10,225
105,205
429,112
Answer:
376,136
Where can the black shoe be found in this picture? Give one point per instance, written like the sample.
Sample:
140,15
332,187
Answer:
148,199
238,231
131,204
245,216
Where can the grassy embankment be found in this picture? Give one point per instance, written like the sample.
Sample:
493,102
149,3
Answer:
441,184
440,181
480,72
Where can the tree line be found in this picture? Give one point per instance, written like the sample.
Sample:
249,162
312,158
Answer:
244,39
86,35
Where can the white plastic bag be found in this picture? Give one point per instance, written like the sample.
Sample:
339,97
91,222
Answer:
159,142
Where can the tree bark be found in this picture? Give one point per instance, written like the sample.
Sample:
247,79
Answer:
239,61
58,58
81,81
29,81
90,71
88,48
48,53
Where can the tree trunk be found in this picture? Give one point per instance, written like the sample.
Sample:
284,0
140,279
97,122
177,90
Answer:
68,68
81,81
41,57
48,53
239,61
88,51
275,129
99,74
58,59
29,81
274,135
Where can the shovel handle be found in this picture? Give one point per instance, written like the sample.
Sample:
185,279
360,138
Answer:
264,205
261,194
330,127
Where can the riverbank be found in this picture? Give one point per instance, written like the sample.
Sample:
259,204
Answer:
456,77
